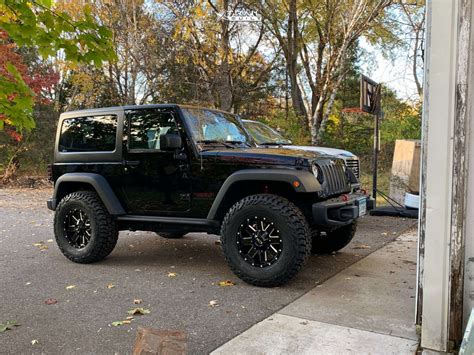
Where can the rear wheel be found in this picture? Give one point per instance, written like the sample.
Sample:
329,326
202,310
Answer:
328,242
265,240
84,230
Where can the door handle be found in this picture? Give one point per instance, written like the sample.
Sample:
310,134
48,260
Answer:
131,162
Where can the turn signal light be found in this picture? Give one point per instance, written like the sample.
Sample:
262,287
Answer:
345,198
296,183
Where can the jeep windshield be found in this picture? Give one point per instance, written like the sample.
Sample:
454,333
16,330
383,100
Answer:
209,127
264,135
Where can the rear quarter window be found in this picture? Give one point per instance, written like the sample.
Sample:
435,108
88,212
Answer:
88,134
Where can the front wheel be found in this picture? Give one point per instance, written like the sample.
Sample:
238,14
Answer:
265,240
84,230
328,242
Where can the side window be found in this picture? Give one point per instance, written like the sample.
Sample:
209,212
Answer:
88,134
146,127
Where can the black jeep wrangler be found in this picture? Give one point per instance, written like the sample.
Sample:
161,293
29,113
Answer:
174,169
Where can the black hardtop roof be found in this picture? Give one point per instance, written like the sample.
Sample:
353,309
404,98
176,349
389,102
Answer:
136,107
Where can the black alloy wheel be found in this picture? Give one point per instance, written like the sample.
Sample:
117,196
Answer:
77,228
259,242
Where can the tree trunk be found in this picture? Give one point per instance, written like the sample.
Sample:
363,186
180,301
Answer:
292,63
224,78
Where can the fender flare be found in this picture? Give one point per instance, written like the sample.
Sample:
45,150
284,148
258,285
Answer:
100,185
307,182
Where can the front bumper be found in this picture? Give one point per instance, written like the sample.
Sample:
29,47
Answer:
339,211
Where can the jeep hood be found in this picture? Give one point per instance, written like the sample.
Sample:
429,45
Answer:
264,156
340,153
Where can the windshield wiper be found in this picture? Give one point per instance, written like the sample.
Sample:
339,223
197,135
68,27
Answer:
211,141
238,142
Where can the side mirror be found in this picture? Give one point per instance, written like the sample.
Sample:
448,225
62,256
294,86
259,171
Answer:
170,142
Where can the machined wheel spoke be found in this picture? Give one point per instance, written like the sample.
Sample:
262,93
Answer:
259,242
77,228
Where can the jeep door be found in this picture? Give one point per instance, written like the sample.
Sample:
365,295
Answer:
156,181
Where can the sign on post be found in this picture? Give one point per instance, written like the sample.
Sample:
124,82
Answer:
369,95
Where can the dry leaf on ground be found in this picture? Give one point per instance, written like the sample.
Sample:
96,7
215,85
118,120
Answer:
213,303
361,246
171,274
138,311
137,301
40,245
70,287
109,285
50,301
226,283
8,325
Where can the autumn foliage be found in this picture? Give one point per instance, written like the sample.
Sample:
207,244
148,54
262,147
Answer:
38,79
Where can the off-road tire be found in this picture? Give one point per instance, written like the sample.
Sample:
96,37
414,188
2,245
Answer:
295,234
174,235
104,232
329,242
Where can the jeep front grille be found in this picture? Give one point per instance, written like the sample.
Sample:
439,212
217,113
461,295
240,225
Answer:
335,180
354,165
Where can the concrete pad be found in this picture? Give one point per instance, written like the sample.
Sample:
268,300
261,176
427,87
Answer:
375,294
281,334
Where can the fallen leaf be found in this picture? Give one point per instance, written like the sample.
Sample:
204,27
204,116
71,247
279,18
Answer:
361,246
129,318
70,287
138,311
213,303
50,301
117,323
41,245
171,274
226,283
34,342
50,241
109,285
126,321
8,325
137,301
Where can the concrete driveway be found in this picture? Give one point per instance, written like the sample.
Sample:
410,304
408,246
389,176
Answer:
175,279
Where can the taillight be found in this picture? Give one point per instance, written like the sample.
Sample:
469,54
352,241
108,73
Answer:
50,172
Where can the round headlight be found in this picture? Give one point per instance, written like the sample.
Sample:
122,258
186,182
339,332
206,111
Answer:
315,170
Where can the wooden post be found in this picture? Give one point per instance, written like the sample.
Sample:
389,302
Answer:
459,182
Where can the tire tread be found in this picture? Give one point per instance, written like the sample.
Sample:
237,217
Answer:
107,233
295,221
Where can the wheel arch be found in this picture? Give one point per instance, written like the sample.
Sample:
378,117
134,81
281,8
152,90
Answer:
72,182
283,182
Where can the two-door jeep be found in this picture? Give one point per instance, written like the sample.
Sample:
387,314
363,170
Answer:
174,169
